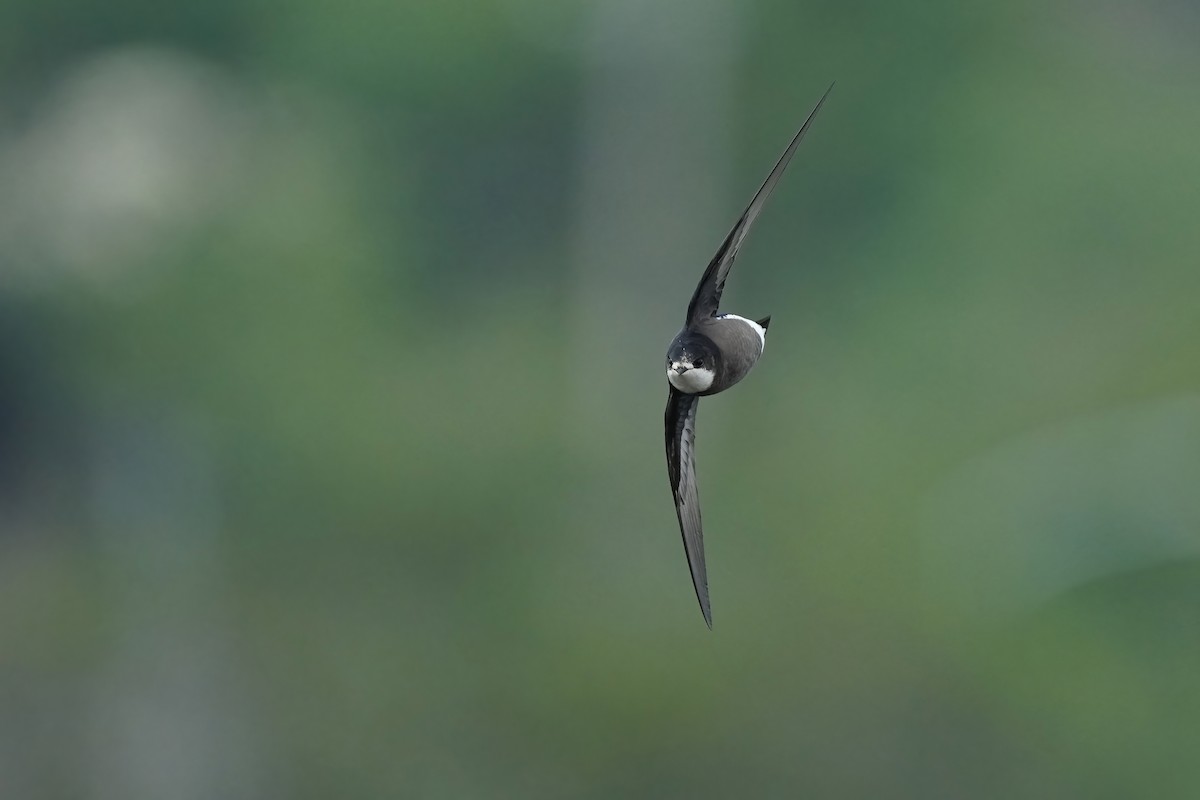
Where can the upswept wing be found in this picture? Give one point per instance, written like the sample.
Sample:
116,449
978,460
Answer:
708,293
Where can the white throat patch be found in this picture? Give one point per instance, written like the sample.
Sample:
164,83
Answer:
759,329
696,379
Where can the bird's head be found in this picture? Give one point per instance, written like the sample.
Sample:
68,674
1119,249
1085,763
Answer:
692,362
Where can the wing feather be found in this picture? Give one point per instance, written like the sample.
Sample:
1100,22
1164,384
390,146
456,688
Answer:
680,421
708,293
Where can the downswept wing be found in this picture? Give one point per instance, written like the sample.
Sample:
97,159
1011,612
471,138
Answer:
680,421
708,293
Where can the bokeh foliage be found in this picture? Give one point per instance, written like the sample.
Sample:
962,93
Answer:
330,396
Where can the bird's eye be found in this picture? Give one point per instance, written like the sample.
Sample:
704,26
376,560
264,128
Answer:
699,362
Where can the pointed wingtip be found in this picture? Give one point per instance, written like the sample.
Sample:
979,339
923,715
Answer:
700,584
702,598
821,102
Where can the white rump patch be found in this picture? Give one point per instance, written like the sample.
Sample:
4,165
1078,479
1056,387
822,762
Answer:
696,379
759,329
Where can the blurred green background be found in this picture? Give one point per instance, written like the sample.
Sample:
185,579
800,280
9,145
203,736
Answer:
331,394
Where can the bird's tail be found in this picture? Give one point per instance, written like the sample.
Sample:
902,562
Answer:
765,322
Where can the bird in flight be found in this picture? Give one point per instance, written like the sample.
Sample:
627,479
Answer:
712,352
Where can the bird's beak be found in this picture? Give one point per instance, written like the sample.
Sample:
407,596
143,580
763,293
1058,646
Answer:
680,368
